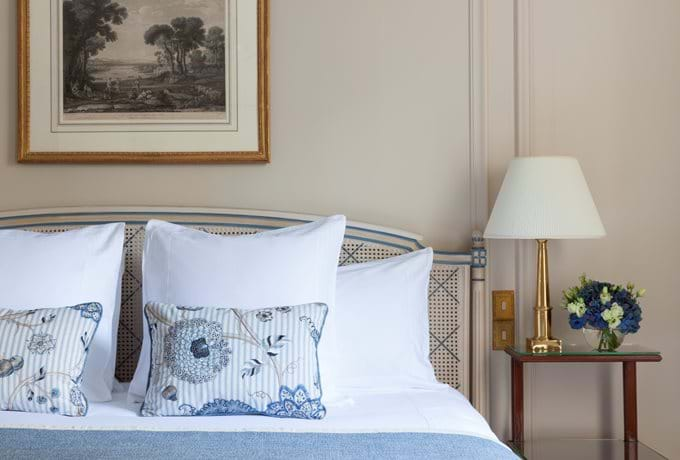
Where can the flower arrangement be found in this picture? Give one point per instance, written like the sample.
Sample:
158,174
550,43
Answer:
611,309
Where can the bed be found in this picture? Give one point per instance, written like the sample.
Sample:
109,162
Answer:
444,421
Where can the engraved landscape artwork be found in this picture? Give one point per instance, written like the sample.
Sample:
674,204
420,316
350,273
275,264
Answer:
144,61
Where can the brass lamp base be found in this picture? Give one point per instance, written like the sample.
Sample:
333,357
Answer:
543,341
544,345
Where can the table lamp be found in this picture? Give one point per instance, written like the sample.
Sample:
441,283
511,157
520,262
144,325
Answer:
544,198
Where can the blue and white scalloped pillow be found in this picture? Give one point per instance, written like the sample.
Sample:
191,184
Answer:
42,357
226,361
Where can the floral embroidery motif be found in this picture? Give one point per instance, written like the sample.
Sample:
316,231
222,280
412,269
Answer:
313,331
272,347
92,311
10,366
170,393
292,404
283,309
78,399
195,350
41,343
296,404
222,407
264,315
183,308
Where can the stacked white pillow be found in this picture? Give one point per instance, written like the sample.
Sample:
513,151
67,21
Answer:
376,335
289,266
381,325
40,270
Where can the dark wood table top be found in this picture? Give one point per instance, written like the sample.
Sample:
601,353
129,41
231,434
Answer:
577,353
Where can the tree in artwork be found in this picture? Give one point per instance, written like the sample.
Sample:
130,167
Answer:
116,60
87,29
215,44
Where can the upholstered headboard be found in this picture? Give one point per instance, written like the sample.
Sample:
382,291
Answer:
457,288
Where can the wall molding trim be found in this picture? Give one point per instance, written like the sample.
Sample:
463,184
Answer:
524,146
524,91
479,212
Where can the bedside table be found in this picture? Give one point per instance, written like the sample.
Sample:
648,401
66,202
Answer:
629,448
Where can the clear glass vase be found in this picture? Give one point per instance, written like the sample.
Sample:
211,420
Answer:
603,339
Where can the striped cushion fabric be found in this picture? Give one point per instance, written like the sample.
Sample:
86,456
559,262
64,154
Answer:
42,356
226,361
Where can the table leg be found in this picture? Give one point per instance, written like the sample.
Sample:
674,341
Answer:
517,401
631,451
629,402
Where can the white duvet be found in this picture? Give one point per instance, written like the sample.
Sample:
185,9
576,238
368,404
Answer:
437,410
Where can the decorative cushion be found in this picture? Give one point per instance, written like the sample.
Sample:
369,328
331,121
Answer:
41,270
382,306
288,266
227,361
42,356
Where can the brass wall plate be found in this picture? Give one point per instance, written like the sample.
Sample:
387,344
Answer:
503,334
503,305
503,319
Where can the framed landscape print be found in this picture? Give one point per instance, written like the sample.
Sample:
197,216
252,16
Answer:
152,81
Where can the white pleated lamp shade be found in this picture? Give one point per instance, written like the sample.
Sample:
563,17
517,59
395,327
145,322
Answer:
544,198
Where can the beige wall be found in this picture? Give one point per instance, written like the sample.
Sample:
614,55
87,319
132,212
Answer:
369,118
604,86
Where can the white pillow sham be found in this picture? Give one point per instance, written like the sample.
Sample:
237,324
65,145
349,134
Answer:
289,266
381,324
44,270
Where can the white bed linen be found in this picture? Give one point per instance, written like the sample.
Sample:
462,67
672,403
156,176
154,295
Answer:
283,267
48,270
382,306
437,410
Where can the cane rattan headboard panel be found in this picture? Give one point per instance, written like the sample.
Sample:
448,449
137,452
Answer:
451,282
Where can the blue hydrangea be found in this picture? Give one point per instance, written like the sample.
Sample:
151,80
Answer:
601,300
577,323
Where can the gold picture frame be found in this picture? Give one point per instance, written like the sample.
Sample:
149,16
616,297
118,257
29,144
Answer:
26,155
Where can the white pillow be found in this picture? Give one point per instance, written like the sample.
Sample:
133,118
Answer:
289,266
381,324
47,270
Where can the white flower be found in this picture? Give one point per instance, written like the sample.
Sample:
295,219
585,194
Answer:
616,310
578,308
605,297
641,292
41,343
613,315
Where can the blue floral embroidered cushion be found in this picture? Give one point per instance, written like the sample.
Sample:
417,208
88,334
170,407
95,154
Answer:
42,356
226,361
